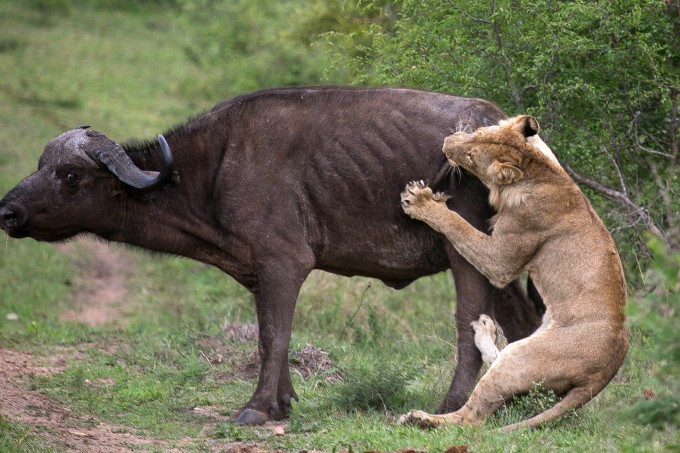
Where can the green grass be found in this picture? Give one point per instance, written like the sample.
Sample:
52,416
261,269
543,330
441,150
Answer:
18,437
125,73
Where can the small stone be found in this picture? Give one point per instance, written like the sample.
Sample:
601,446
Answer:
12,317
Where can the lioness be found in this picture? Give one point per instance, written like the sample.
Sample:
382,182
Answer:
545,226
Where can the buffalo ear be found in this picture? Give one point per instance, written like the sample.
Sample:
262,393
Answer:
504,173
524,124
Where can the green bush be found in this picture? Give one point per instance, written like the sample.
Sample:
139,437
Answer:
657,314
524,407
602,77
245,45
380,385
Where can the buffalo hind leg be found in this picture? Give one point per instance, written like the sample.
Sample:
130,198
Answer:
518,314
474,296
278,288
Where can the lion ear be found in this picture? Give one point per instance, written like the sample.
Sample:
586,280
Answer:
524,124
503,173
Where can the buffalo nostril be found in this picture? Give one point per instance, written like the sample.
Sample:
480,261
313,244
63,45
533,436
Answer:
9,217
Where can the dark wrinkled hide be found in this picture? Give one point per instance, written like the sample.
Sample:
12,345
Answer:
271,185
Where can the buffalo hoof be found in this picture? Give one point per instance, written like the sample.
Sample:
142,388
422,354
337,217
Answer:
251,417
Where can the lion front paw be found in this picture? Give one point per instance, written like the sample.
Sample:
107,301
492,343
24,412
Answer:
420,419
416,196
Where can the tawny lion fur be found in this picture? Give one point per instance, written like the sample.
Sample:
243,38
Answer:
545,226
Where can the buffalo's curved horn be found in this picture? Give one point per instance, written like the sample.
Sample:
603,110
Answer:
118,163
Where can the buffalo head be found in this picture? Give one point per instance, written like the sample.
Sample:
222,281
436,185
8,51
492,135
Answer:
78,172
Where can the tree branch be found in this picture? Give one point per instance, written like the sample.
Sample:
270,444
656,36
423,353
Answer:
633,130
472,18
622,183
619,197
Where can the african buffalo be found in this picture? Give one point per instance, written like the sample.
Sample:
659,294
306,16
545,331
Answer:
270,185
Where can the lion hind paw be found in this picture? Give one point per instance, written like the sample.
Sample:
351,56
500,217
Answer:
485,338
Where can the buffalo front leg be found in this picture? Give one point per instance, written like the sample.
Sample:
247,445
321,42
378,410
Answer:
275,297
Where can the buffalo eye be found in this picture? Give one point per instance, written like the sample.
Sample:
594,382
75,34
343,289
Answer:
72,179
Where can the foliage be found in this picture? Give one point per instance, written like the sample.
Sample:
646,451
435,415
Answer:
65,6
601,76
657,313
523,407
380,384
343,28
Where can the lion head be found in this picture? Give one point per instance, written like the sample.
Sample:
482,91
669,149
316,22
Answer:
498,155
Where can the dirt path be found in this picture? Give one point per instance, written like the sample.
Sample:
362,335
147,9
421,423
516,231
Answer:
99,297
63,429
101,285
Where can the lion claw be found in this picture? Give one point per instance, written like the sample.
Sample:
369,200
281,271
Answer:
417,418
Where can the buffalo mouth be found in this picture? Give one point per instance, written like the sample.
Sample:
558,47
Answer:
18,223
26,230
16,233
42,236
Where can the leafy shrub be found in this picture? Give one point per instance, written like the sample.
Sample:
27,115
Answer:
380,385
658,315
600,75
523,407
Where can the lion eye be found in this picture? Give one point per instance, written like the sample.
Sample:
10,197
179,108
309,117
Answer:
469,156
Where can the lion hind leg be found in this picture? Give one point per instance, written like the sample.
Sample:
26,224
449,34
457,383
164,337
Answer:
575,398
